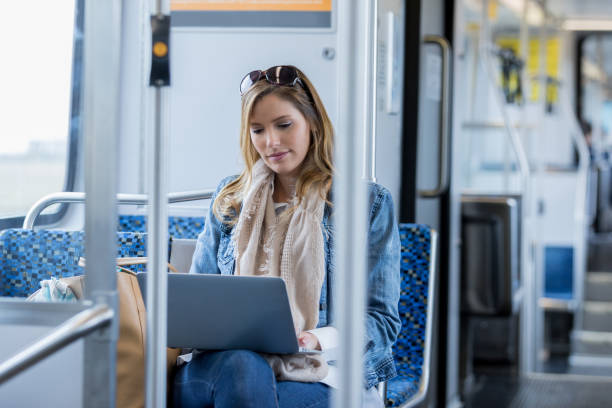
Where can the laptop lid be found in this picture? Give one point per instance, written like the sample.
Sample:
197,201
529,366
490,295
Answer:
182,253
220,312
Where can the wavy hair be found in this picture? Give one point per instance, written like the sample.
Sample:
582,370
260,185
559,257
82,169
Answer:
317,167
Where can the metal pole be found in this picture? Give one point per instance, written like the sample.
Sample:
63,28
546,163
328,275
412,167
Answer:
71,330
350,193
157,285
534,341
371,67
101,120
527,347
157,244
580,206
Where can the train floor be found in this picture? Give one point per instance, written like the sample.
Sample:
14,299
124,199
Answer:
539,391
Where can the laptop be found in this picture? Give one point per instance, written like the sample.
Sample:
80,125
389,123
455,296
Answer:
224,312
181,253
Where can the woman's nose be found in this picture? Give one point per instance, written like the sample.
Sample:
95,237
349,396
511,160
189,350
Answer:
273,139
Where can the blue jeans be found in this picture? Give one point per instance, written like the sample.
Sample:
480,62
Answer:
241,379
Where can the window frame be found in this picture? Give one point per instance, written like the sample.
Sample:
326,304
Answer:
581,38
74,126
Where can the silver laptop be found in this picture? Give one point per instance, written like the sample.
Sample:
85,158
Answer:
181,253
220,312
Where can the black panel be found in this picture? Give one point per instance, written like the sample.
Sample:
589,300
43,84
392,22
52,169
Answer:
160,51
445,241
578,79
410,111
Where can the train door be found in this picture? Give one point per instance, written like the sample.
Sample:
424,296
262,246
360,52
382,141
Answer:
428,147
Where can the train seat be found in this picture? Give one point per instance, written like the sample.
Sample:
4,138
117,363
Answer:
27,256
178,227
413,347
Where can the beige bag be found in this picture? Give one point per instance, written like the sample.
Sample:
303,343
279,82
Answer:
131,343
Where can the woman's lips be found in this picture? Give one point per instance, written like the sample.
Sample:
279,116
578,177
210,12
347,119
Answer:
277,156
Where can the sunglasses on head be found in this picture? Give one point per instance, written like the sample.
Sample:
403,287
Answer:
281,75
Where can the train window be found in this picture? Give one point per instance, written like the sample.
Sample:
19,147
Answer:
595,102
594,64
40,102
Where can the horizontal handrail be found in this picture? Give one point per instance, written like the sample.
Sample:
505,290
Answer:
133,199
78,326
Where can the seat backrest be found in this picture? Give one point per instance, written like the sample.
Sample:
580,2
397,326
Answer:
178,227
490,254
27,256
417,260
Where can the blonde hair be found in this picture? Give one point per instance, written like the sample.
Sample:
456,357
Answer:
317,167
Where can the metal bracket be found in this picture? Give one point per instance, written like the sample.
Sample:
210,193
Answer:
110,332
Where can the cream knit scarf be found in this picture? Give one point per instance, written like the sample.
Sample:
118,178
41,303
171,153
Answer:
288,245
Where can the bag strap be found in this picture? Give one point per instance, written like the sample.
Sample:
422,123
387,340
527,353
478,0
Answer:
126,270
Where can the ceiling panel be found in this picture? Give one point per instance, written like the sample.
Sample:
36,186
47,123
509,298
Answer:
581,8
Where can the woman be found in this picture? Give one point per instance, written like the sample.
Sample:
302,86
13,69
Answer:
274,219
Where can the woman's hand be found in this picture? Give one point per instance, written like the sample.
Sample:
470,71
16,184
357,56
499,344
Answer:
309,341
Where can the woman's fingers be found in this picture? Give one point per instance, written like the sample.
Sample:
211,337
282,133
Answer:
308,340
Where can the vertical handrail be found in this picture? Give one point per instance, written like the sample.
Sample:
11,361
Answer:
102,52
350,194
536,342
580,204
528,244
444,131
157,244
370,120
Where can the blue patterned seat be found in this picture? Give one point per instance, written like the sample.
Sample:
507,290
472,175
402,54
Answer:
27,257
410,351
178,227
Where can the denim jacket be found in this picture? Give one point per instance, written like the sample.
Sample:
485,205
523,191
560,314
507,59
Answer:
214,254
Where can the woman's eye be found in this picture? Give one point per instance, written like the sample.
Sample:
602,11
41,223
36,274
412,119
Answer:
256,131
284,125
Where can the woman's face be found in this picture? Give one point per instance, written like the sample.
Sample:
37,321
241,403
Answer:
280,134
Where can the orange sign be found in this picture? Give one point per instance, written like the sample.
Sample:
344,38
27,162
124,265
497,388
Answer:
251,5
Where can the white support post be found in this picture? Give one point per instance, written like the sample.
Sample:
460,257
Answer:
350,196
157,240
102,48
